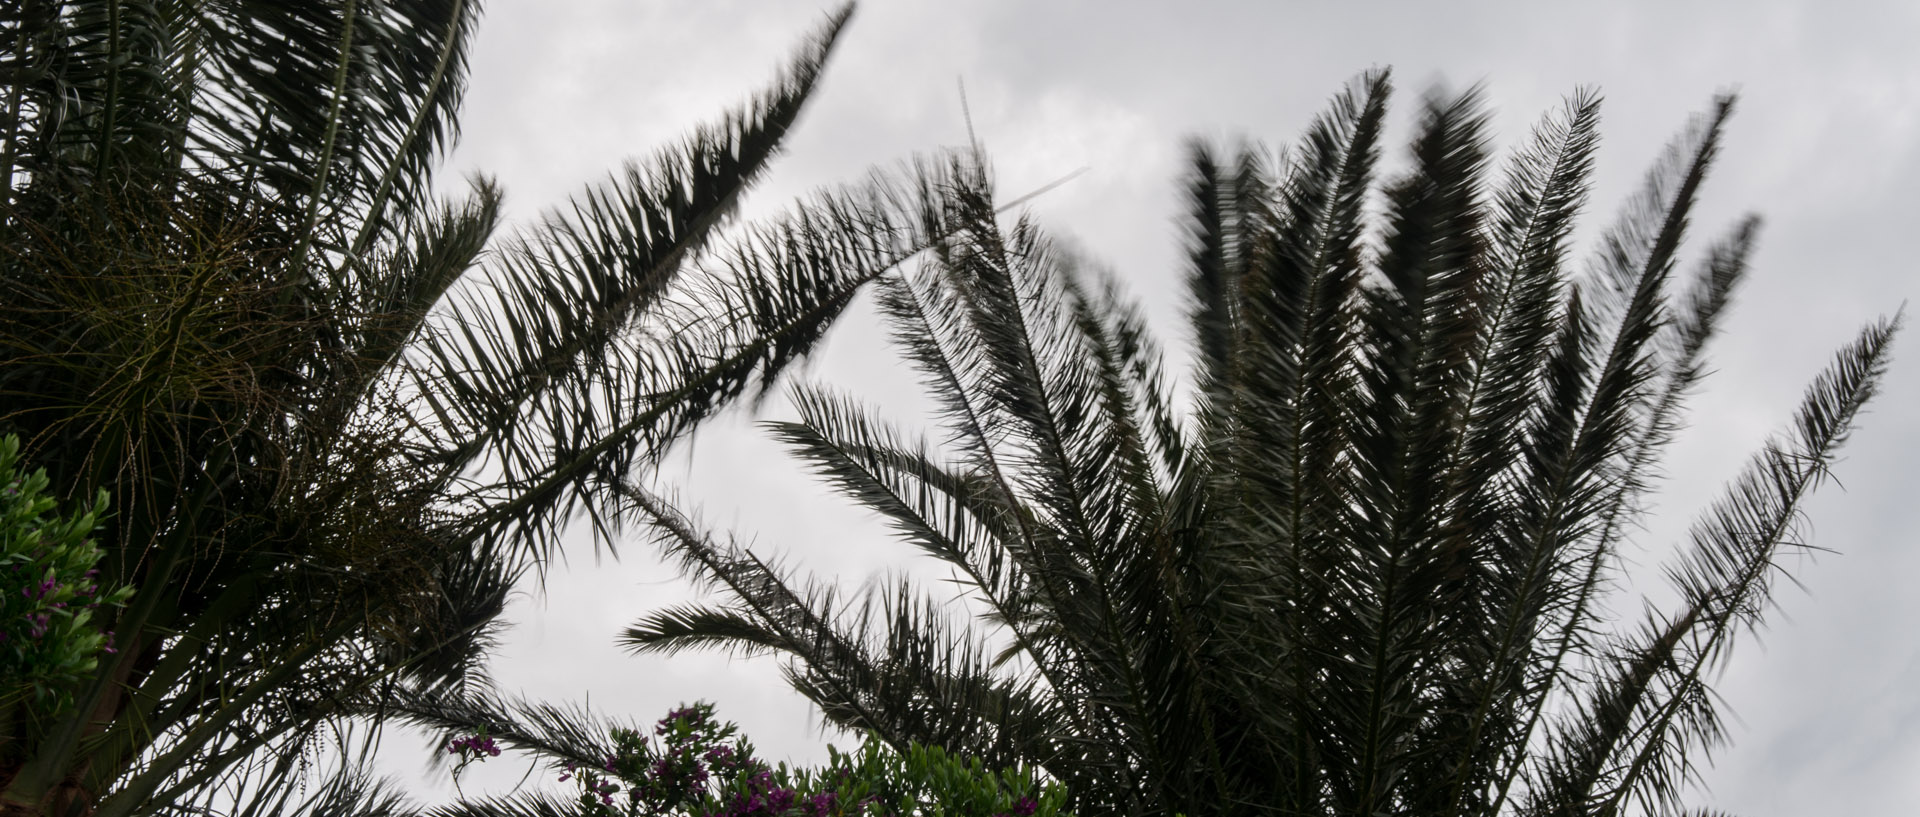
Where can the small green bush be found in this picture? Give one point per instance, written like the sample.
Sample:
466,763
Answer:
50,635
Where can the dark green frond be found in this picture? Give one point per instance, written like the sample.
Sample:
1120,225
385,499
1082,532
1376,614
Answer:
352,794
1224,223
1419,325
1530,221
529,365
954,516
803,622
1725,576
556,733
1271,446
691,627
1584,453
531,804
1518,305
448,648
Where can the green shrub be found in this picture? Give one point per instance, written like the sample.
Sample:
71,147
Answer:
50,636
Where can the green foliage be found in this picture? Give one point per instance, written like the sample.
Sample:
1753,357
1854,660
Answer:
50,636
695,765
927,780
1366,569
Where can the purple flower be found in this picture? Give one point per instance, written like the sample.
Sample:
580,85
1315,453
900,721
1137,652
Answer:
820,804
606,792
474,746
1025,807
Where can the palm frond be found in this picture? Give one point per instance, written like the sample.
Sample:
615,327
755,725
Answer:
953,515
1419,324
1298,318
556,733
538,359
802,622
691,627
1582,452
532,804
1725,578
1531,217
351,792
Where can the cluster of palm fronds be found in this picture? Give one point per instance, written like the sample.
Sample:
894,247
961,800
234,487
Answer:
337,419
1362,572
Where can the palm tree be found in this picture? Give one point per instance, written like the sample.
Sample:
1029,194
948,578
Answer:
229,298
1363,571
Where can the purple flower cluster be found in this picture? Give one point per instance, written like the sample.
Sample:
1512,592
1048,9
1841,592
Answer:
41,590
592,785
687,766
40,622
45,626
722,759
694,717
763,796
51,640
474,746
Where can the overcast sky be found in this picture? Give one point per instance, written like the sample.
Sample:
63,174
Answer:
1826,146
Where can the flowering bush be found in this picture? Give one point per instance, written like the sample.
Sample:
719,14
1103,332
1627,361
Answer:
49,590
697,766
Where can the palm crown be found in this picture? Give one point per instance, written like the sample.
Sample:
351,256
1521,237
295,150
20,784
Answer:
1361,572
229,297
